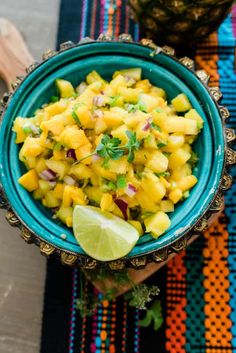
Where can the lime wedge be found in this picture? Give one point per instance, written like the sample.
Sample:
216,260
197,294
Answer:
102,235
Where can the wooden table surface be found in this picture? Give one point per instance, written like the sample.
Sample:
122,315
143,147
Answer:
22,268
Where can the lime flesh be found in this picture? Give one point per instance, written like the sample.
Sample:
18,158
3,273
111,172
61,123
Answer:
102,235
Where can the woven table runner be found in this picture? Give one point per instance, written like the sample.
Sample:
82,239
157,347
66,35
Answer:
198,287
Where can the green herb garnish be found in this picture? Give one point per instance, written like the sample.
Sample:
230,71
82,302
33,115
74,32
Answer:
132,145
141,295
75,117
159,110
164,174
57,146
154,314
54,99
161,144
27,129
155,126
134,107
121,182
109,149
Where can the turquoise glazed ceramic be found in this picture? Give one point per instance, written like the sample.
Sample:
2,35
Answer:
73,63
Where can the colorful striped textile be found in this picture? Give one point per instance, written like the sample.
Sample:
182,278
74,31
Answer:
198,287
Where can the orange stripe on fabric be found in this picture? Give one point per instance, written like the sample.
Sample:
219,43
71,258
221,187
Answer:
93,20
176,303
216,282
111,12
118,14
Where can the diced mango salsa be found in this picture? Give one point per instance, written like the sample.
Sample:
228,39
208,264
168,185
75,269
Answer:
118,145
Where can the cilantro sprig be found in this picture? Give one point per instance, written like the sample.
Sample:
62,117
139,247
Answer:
110,148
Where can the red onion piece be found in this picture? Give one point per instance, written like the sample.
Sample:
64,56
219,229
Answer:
69,180
71,153
98,101
81,88
123,206
130,190
48,174
147,125
95,157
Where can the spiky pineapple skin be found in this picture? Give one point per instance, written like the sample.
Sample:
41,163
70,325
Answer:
179,21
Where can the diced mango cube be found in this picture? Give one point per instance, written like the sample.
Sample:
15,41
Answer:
59,167
157,224
107,203
65,214
50,200
84,116
187,182
72,137
137,225
84,151
178,158
57,108
29,180
31,148
175,195
58,191
181,103
158,163
65,88
18,129
167,206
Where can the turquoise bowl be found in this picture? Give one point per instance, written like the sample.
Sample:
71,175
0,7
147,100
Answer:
163,70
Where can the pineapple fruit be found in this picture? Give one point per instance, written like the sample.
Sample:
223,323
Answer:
68,163
179,22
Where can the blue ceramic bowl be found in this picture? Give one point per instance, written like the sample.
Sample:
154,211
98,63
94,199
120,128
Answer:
74,64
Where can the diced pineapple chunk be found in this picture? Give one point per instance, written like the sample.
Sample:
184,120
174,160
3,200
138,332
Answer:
107,203
100,126
57,108
130,95
94,194
150,102
190,127
193,114
181,103
58,191
61,168
111,119
44,186
175,195
65,214
150,142
50,200
29,180
94,76
31,148
18,129
153,187
157,92
137,225
178,158
55,125
167,206
118,82
173,124
40,165
84,151
84,116
187,182
134,73
81,171
65,88
72,137
59,155
144,85
157,224
120,132
119,166
158,163
98,169
181,172
73,194
174,142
